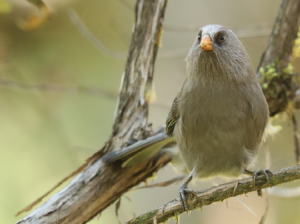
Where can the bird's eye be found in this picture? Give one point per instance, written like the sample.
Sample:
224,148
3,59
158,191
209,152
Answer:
222,38
199,38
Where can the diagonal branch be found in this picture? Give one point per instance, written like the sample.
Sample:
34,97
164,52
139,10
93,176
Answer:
100,185
216,194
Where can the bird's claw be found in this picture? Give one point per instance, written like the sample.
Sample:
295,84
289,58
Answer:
267,173
183,195
264,172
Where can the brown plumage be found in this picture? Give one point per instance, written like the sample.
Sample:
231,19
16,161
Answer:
219,116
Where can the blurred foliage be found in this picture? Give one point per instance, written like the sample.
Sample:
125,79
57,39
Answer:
296,49
36,21
36,2
5,7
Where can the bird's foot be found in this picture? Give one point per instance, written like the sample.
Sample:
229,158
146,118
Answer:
183,195
267,173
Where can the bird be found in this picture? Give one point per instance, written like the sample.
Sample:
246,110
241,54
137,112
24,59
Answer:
219,117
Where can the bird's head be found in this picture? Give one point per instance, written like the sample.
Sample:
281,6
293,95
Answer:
216,38
218,52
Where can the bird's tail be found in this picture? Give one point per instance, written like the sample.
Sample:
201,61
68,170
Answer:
139,151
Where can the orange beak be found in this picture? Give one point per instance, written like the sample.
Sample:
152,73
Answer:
206,43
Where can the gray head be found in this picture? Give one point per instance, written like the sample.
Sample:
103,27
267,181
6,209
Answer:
217,53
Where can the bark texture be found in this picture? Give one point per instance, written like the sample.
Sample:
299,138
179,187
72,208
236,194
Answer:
99,185
275,71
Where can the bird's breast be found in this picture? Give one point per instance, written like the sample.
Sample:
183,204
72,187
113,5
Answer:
214,123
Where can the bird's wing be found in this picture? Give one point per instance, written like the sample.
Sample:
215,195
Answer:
144,149
257,122
173,117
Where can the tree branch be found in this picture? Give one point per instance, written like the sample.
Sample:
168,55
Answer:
100,185
275,71
216,194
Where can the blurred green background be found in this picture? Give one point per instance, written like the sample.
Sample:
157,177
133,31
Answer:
45,135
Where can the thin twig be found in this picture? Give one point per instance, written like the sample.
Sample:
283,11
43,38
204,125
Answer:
74,17
217,194
164,184
19,86
279,191
94,40
265,214
120,31
267,166
50,88
255,30
246,206
240,33
296,138
177,53
118,204
243,204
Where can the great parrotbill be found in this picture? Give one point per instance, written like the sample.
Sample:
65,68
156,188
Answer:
220,115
